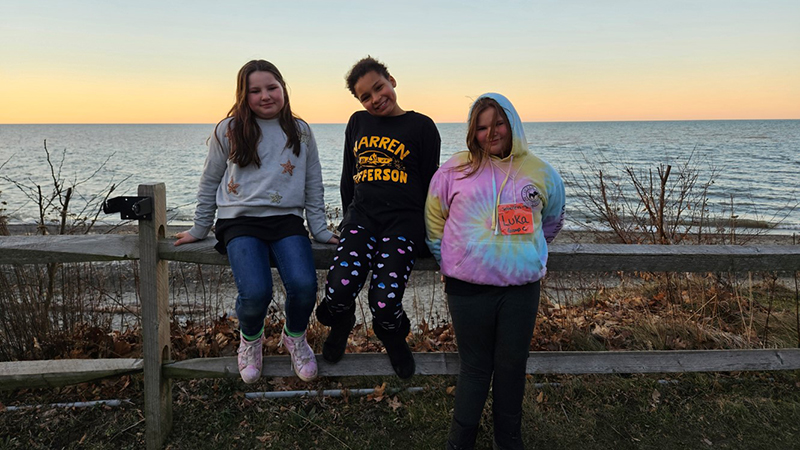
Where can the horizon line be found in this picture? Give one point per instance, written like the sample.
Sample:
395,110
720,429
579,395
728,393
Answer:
443,123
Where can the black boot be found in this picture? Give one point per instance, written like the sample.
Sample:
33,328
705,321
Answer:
461,437
507,431
341,325
397,348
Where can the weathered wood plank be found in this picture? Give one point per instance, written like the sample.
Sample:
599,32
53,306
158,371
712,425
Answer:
63,372
372,364
673,258
54,249
154,293
355,364
203,252
563,257
54,373
669,361
582,257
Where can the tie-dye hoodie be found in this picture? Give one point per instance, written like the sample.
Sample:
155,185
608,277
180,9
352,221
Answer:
461,213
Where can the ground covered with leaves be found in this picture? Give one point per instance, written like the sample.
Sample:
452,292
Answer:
725,411
599,312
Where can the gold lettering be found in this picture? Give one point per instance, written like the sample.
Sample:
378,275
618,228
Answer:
392,145
395,175
384,141
403,177
402,152
364,141
373,141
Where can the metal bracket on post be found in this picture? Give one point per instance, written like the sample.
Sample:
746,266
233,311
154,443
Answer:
130,208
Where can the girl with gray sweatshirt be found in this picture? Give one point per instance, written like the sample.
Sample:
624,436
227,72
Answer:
261,176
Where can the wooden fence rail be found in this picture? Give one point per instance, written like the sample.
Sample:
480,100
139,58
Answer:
153,249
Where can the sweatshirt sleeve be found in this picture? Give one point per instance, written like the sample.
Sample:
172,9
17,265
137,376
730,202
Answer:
553,214
347,185
314,190
432,144
437,209
213,170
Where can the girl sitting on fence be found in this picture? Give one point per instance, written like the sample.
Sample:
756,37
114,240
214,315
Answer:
490,213
261,174
390,155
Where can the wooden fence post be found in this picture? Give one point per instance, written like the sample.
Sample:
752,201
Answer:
154,290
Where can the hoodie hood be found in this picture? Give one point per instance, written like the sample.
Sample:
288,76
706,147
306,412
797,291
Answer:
470,241
519,144
519,149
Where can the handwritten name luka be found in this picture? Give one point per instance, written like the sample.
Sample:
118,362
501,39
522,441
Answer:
515,219
515,225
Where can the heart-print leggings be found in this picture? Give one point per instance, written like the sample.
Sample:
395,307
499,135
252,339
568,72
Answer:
389,258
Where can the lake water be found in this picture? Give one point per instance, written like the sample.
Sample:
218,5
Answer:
756,161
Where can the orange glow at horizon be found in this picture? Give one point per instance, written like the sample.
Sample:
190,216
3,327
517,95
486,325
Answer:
112,62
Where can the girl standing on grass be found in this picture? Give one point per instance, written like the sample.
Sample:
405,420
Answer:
490,214
261,174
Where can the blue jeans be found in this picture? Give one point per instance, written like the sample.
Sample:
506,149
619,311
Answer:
250,262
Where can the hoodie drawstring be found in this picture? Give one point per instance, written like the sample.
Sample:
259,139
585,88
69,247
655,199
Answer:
497,194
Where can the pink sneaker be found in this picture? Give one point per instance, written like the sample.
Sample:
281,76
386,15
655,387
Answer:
304,362
250,356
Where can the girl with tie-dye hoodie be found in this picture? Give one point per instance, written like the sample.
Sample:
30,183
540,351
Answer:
490,214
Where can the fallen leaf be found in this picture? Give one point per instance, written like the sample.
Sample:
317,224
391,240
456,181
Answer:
394,403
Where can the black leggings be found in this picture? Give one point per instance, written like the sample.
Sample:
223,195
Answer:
390,258
493,333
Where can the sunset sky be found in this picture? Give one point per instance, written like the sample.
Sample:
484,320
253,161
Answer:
162,61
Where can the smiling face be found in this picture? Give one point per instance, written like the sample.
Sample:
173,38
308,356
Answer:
265,94
493,132
376,93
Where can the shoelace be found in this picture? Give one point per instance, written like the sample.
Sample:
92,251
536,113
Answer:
302,353
249,353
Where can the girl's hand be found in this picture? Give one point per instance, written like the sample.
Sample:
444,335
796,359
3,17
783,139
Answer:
184,238
333,240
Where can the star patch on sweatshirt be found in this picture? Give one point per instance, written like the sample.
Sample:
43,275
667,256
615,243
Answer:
275,197
288,167
233,187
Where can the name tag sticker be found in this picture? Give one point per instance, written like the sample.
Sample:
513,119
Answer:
515,218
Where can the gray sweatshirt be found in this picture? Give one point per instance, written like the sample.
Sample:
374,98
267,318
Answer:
284,184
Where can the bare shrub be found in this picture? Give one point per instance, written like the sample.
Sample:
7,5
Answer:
665,206
41,304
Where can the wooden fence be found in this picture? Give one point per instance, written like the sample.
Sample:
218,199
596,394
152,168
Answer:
153,250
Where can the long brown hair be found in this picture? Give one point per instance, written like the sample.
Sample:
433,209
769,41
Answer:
476,152
243,132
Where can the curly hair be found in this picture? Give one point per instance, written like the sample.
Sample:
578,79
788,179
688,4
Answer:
363,67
